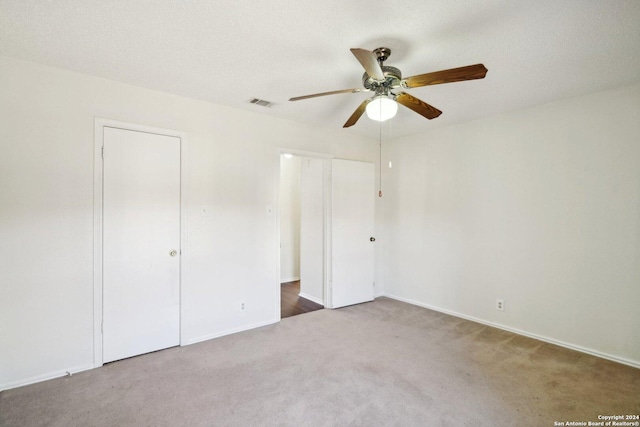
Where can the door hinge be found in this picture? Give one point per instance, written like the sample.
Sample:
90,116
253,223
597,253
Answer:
102,152
102,326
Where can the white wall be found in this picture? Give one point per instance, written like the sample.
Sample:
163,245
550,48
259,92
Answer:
46,211
312,251
289,218
539,207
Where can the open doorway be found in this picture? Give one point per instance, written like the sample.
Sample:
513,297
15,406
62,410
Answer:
302,219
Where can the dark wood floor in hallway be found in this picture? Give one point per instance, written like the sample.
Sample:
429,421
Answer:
291,304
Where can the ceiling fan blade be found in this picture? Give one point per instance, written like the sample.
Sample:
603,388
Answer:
417,105
370,63
357,114
470,72
335,92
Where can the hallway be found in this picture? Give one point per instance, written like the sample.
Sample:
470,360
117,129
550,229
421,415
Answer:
291,304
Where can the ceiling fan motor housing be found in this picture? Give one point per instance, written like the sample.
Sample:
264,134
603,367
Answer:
392,79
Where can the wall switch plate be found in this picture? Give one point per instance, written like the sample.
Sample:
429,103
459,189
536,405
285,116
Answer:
500,305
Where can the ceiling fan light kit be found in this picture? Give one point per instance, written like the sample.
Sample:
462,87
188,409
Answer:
381,108
382,79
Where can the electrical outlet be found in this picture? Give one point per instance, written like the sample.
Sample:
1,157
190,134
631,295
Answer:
500,305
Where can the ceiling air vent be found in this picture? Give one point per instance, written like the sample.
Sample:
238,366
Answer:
261,102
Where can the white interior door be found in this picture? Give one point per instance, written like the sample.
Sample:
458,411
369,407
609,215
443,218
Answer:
141,243
352,227
312,194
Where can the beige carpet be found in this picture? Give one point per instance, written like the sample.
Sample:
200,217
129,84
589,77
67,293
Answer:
383,363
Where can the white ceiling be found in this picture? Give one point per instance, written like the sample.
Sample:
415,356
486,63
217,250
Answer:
228,52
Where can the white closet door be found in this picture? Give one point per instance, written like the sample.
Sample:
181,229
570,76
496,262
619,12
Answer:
141,243
352,227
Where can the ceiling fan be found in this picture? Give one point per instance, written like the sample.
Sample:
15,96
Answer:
382,79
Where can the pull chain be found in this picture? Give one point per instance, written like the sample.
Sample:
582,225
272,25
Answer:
380,159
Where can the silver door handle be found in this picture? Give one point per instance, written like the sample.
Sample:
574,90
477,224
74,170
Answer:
173,252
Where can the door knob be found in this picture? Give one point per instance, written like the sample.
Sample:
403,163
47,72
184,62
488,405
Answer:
173,252
372,239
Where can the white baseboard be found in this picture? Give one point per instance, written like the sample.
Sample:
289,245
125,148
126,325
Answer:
624,361
310,298
290,279
45,377
229,332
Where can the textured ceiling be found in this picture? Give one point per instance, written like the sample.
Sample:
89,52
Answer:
228,52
